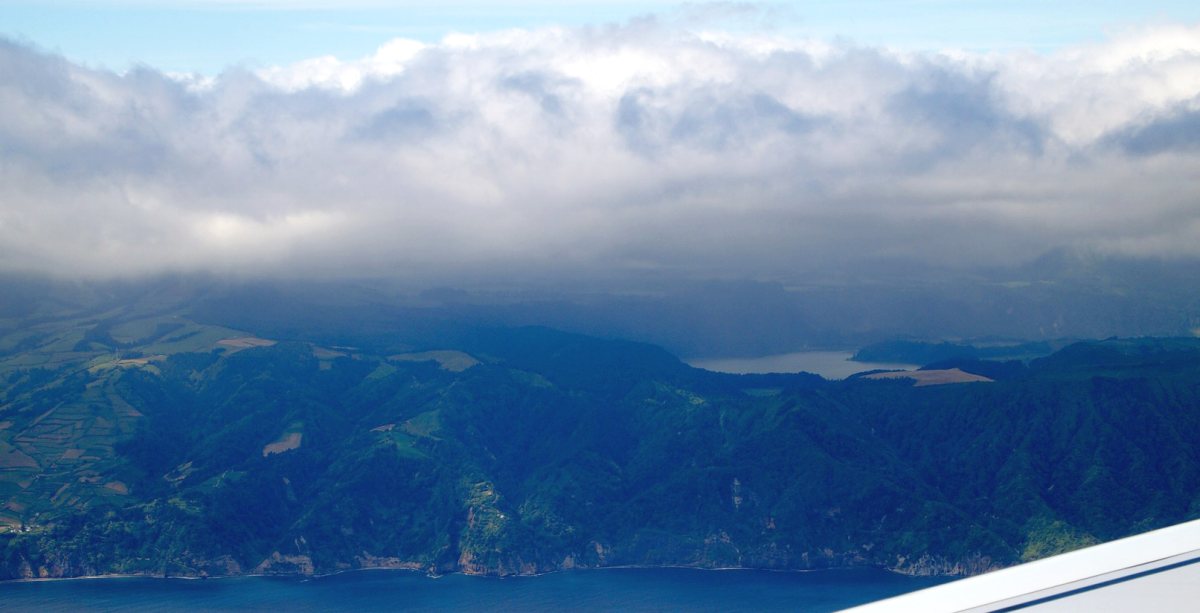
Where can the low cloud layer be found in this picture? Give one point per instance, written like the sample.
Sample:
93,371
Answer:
607,150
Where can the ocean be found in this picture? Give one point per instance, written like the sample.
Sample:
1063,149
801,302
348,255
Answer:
616,589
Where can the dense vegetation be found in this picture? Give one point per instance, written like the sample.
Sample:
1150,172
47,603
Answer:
525,450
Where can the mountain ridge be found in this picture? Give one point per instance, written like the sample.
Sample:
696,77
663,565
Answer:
189,455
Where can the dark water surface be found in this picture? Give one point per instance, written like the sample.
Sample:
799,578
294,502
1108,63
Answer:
625,590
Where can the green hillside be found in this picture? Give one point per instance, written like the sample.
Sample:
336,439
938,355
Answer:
141,441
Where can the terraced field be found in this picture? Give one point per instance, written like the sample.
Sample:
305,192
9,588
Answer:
62,412
57,456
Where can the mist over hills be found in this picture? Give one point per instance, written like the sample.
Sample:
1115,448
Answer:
1061,295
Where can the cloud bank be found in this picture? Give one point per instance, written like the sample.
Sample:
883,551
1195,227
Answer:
606,150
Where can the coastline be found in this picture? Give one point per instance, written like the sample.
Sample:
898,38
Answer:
302,576
630,588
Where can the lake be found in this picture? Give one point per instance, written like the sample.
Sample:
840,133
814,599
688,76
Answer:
828,364
624,589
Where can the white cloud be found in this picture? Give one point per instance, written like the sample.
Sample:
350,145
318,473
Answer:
602,148
1089,91
331,73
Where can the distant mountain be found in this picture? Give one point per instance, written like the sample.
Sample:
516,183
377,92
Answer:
924,352
1060,295
136,437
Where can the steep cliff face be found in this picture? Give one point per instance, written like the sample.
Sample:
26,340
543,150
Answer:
926,566
492,564
65,565
54,567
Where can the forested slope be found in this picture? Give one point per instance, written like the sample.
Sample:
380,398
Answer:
527,450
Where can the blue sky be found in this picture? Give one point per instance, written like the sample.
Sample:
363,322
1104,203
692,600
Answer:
209,35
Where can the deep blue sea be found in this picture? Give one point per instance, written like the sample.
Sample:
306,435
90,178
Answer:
618,589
